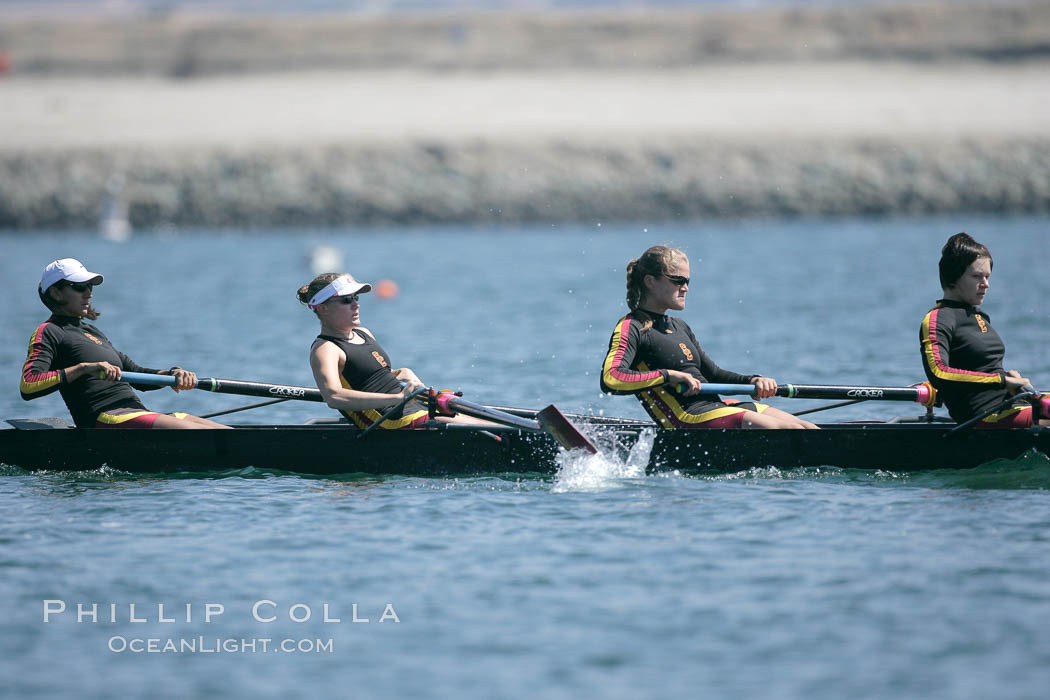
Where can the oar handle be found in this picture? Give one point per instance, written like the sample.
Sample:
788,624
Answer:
147,379
920,393
230,386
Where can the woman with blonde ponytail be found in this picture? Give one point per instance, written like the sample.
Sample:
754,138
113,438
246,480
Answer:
657,358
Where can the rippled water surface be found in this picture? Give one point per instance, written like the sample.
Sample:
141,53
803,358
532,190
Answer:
815,583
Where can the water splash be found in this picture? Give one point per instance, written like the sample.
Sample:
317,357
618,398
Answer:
580,471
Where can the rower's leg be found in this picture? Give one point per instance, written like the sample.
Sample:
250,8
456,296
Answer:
775,419
186,422
761,421
792,420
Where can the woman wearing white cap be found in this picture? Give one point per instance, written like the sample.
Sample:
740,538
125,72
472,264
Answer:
351,369
75,358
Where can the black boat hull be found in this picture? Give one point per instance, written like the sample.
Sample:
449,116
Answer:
333,449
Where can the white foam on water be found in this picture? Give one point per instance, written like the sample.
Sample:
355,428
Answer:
579,470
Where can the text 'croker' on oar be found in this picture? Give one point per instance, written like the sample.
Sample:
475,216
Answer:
229,386
920,393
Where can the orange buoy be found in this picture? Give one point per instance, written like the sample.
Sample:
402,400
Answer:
386,289
5,62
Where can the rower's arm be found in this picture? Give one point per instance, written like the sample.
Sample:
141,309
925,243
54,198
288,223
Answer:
324,361
38,377
935,336
617,376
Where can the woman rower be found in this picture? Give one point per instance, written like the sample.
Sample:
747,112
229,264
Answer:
76,359
961,352
351,369
657,358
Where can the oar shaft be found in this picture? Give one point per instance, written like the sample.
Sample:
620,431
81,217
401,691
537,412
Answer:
828,407
579,417
238,409
549,420
476,410
230,386
234,386
920,393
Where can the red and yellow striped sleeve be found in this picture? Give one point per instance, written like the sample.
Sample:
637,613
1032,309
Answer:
38,379
617,375
935,354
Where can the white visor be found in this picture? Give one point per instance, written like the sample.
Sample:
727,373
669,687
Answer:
341,286
69,269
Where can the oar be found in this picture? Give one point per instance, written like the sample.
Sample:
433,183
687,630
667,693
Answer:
828,407
249,407
579,417
229,386
920,393
549,419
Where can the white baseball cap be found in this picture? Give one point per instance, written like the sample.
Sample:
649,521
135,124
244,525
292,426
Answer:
69,269
341,286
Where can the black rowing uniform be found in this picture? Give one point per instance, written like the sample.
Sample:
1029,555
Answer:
637,363
963,358
64,341
367,368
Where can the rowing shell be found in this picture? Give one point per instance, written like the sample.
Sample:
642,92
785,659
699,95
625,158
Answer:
330,448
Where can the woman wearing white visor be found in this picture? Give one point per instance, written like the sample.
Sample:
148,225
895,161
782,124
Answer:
352,370
75,358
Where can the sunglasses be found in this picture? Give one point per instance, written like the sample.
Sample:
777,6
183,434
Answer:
349,299
677,279
79,287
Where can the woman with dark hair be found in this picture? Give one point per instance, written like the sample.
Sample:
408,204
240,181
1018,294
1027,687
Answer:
74,358
657,358
961,352
352,371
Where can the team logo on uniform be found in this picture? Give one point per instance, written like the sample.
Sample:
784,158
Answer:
981,323
379,358
686,351
91,337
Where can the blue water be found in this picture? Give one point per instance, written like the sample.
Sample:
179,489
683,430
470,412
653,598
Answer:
816,583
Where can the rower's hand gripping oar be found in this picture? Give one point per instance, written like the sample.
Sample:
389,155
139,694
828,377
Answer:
229,386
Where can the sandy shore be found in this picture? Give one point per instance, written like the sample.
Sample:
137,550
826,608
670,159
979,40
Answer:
561,142
895,100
